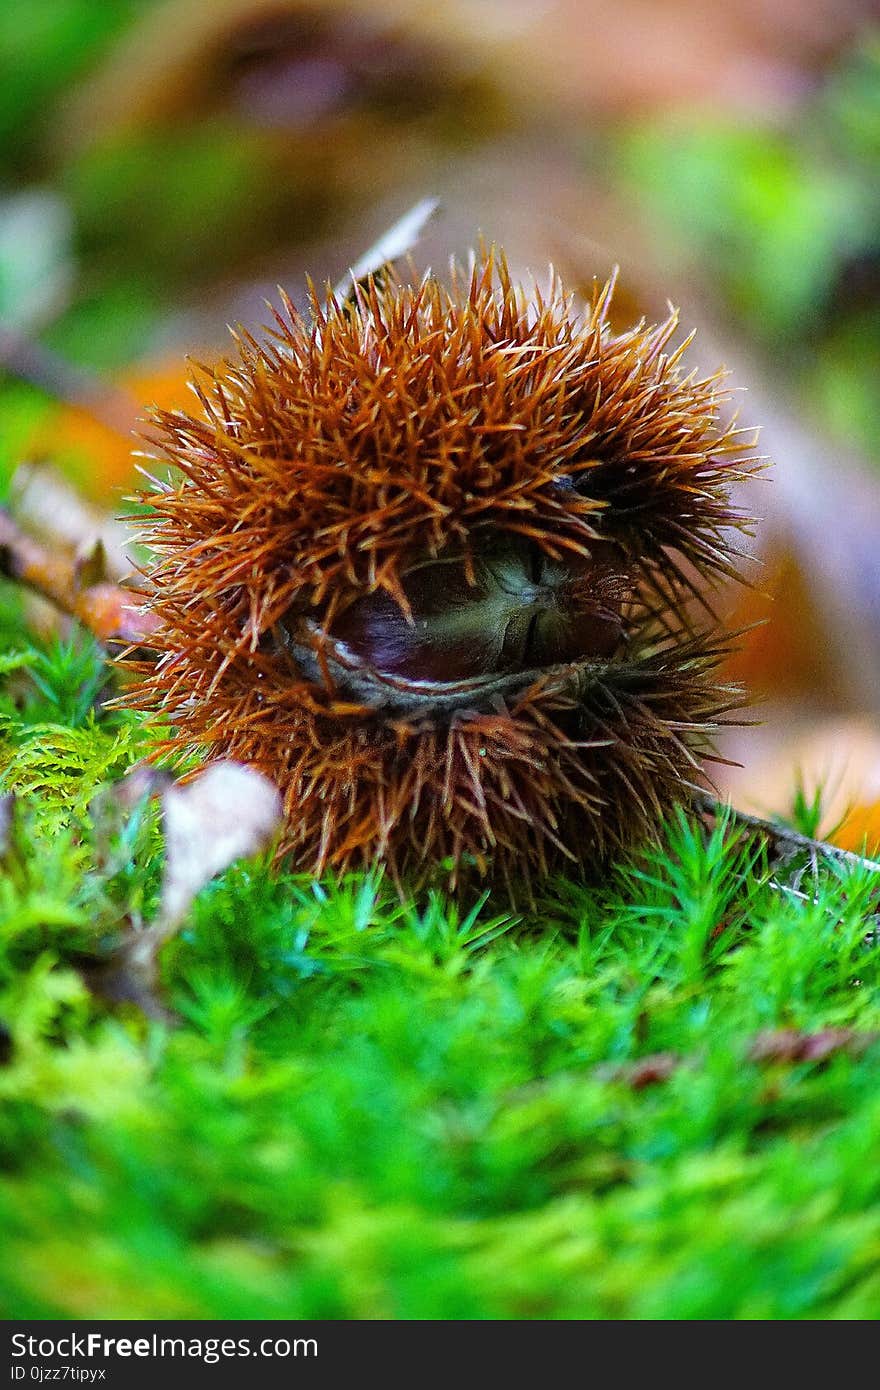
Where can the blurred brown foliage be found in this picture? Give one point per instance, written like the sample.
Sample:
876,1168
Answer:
359,108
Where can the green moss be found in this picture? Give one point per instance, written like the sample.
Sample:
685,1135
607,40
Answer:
368,1109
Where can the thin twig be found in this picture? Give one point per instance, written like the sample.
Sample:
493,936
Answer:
109,611
788,841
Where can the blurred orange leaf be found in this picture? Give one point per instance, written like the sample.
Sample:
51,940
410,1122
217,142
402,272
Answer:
98,458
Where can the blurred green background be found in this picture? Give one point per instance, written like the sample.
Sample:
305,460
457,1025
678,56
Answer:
165,165
373,1110
159,158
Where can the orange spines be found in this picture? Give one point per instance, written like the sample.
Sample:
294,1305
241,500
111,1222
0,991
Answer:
428,563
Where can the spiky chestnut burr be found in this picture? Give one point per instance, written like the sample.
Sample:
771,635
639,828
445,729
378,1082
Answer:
431,564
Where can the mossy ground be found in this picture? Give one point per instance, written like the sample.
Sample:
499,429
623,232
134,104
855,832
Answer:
367,1110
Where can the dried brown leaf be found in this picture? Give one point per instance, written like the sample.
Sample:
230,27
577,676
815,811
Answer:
230,811
7,811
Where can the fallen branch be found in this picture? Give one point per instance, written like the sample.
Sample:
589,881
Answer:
109,611
786,842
